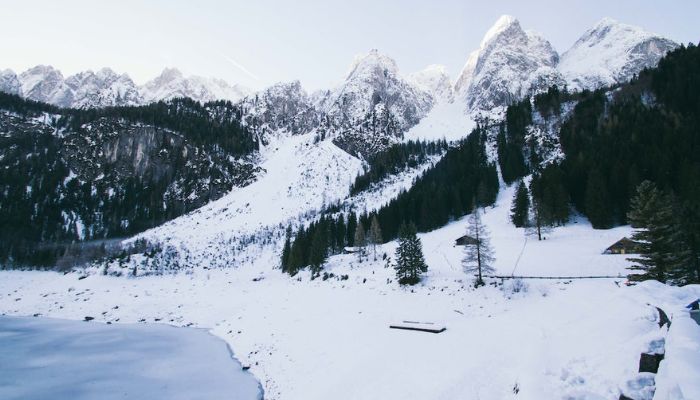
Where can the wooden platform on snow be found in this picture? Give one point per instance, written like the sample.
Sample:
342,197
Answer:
419,326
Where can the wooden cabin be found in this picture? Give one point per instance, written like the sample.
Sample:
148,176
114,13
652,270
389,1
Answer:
465,240
623,246
351,250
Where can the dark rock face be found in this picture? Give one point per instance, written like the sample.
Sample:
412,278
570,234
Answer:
113,150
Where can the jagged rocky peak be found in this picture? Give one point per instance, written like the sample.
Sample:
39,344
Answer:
611,52
283,106
9,82
372,107
371,65
100,89
83,90
41,83
172,83
435,80
511,63
373,84
166,77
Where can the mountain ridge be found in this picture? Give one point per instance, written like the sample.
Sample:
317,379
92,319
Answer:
107,88
512,63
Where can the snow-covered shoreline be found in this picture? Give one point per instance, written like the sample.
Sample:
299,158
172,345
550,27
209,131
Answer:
315,339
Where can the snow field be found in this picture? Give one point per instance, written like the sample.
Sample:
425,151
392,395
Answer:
320,339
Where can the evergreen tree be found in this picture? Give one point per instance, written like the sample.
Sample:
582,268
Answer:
286,250
296,255
360,240
375,235
520,210
319,251
651,214
350,230
597,201
478,258
410,263
340,233
541,216
689,222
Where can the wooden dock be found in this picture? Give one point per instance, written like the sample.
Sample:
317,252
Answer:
419,326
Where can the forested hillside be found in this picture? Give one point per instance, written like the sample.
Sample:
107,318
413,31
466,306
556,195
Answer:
463,179
611,141
78,175
614,140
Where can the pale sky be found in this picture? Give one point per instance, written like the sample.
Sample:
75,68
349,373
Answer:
258,42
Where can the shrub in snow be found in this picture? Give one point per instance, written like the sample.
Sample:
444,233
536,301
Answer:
512,287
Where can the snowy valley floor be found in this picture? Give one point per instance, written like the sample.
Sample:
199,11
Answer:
553,339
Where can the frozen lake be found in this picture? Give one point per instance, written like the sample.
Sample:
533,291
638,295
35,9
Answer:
43,358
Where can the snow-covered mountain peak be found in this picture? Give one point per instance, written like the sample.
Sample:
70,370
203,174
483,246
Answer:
98,89
372,107
284,107
606,22
9,82
167,75
374,80
611,52
172,83
41,82
511,63
435,80
372,63
504,23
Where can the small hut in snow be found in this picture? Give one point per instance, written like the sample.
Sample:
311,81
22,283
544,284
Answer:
351,250
623,246
465,240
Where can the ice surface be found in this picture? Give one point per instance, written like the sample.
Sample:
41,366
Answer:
43,358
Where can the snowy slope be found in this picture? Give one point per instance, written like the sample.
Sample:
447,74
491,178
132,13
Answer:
435,80
611,52
301,177
446,120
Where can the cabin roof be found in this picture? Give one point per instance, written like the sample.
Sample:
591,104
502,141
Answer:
624,242
466,239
